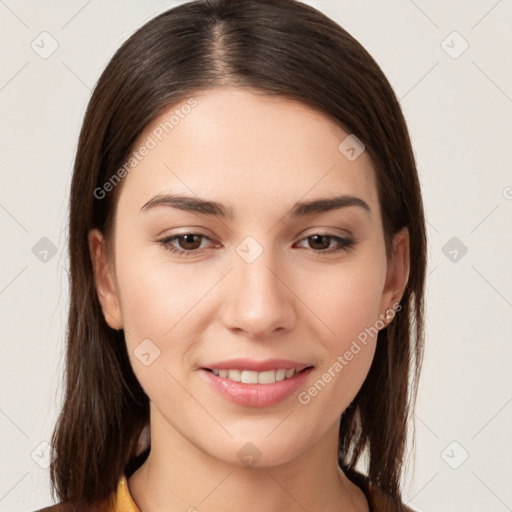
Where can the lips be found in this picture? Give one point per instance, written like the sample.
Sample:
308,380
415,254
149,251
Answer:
256,383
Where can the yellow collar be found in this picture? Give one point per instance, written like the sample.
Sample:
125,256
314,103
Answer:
122,500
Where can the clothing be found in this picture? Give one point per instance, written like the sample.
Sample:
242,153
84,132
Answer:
122,501
378,500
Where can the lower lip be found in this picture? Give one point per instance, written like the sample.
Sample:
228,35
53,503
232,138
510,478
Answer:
256,395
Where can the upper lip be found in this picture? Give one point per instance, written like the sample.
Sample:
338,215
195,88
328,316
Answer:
257,366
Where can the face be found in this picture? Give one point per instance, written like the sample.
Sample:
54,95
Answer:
272,279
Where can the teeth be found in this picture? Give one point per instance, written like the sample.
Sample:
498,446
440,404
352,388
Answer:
280,374
247,377
235,375
250,377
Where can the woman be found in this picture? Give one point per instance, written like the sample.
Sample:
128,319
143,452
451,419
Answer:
247,264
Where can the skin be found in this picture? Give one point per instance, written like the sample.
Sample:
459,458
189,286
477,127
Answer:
258,155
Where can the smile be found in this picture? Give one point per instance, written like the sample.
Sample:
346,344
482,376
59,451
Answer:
252,377
252,388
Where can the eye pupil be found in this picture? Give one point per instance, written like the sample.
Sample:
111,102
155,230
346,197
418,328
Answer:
316,239
189,240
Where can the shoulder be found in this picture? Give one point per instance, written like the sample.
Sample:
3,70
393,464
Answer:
381,501
60,507
67,506
378,500
118,501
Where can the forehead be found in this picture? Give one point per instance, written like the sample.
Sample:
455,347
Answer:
246,150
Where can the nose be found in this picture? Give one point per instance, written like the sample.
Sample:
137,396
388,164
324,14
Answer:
259,302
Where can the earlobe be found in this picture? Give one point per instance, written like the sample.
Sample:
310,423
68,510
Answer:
104,280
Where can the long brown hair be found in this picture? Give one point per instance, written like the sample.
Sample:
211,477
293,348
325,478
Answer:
276,47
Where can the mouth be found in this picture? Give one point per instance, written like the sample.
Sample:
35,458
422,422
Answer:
255,377
252,388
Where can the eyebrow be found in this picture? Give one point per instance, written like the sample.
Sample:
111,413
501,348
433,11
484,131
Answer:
299,209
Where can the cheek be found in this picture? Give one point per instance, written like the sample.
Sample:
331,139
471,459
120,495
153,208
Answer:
159,312
347,300
348,304
157,299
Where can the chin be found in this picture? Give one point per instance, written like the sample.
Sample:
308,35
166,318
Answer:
258,451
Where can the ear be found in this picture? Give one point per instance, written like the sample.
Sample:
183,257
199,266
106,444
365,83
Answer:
104,280
397,274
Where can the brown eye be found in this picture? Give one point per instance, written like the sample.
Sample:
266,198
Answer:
185,244
188,243
321,243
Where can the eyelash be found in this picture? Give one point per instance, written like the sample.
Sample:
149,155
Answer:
345,244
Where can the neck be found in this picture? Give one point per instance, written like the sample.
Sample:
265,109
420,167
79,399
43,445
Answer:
177,475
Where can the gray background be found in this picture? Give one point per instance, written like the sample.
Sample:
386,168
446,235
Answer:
458,105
